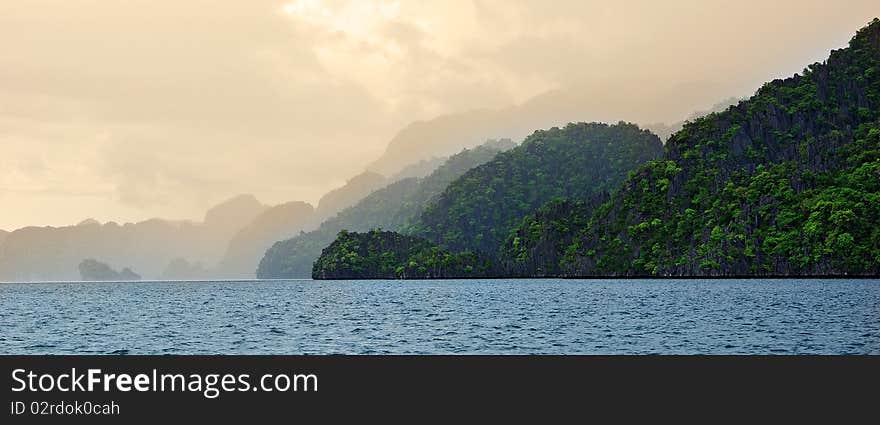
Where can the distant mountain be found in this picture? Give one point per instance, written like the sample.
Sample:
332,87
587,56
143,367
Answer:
235,212
54,253
441,136
181,269
227,244
393,208
419,169
353,191
664,131
446,134
93,270
248,245
89,222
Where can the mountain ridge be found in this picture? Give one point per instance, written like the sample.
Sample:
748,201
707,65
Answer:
784,183
393,207
475,212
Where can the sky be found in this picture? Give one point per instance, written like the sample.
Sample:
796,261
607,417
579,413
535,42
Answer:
125,110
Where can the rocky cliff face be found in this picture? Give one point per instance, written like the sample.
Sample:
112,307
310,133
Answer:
537,246
784,183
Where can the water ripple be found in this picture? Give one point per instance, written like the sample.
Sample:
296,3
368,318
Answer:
439,317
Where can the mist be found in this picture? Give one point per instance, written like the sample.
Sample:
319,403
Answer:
129,110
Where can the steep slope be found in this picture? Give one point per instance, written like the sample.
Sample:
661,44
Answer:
443,136
353,191
535,248
393,208
785,183
390,255
478,210
419,169
664,131
234,213
248,245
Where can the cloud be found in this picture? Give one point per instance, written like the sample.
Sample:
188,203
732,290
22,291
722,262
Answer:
161,107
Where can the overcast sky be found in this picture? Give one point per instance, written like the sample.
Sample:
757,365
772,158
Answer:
125,110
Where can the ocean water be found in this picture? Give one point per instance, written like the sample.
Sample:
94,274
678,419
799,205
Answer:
502,316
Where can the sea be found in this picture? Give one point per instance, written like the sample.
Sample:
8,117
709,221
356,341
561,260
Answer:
497,316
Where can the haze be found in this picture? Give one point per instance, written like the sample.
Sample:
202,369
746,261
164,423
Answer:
129,110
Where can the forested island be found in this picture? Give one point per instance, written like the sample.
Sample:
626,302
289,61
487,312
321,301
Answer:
784,183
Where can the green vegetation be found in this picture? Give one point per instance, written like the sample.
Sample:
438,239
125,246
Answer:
536,247
787,182
394,207
380,254
477,211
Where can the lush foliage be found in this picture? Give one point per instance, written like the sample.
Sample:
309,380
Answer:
478,210
381,254
536,247
786,182
482,208
393,207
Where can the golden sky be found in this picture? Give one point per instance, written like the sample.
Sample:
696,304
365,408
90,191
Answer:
125,110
